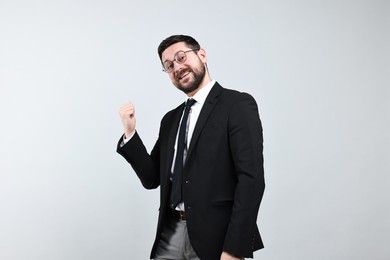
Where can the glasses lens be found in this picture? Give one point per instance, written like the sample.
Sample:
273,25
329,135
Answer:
181,57
168,66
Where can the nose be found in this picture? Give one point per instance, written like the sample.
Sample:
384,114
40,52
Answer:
177,66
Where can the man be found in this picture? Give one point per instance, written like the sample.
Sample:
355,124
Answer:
207,160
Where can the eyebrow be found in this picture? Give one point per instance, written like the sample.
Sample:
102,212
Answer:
173,57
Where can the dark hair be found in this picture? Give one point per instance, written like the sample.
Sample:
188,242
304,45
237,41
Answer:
188,40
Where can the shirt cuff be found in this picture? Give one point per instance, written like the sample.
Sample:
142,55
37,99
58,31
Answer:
125,140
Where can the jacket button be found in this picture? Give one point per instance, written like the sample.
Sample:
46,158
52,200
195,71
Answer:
187,182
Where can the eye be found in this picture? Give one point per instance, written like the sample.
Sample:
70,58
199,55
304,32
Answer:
180,57
168,65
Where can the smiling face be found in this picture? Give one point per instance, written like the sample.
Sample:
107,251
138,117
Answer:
191,75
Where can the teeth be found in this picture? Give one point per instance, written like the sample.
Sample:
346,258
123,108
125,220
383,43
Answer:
185,74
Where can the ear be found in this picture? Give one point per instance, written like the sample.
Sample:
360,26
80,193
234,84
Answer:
202,55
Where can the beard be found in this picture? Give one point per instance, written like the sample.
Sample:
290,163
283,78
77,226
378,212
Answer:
197,75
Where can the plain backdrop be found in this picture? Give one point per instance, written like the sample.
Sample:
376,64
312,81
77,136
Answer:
318,69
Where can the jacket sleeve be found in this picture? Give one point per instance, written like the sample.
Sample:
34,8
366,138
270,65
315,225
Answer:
145,166
246,145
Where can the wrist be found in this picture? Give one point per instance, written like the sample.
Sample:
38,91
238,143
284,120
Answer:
129,135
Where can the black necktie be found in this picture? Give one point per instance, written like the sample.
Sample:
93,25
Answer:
176,193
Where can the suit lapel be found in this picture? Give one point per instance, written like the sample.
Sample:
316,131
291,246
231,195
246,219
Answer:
208,106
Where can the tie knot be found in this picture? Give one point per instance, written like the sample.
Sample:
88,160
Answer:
190,102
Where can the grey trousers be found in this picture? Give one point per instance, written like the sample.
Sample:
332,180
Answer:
174,242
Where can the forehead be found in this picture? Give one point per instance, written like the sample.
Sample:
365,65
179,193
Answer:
169,53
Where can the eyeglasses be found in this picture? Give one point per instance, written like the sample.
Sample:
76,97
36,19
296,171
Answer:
180,57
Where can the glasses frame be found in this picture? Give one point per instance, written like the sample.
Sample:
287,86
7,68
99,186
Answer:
175,59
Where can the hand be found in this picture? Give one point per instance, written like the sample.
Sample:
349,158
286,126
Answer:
127,115
227,256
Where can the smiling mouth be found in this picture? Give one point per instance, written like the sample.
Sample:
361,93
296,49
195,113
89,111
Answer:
184,75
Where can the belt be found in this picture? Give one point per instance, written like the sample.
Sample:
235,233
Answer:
178,215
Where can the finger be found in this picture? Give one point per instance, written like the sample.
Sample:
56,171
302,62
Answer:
127,110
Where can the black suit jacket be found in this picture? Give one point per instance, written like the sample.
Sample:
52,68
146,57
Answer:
223,180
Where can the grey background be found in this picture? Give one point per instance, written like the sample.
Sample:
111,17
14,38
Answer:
318,69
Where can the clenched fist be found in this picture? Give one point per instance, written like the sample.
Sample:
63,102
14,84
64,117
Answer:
127,115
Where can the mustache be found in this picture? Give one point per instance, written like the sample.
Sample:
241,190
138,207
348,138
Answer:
179,74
